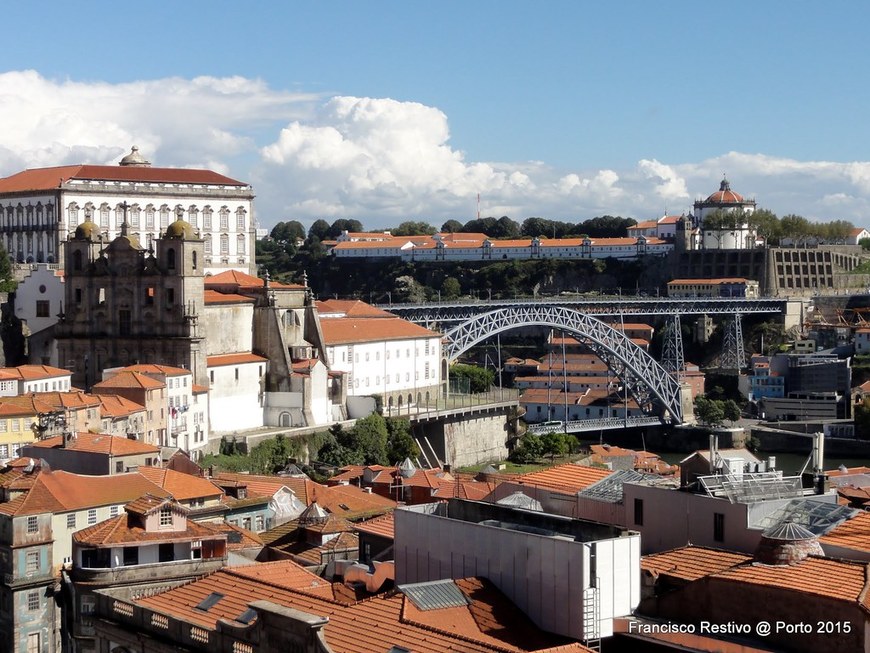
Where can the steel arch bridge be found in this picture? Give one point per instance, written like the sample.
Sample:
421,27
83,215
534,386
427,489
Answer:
612,345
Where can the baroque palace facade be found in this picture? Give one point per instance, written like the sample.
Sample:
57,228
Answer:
41,207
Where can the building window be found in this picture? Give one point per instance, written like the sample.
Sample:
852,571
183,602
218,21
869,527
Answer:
240,219
71,520
164,216
258,522
131,555
92,516
33,601
206,218
193,216
206,240
113,511
134,216
31,562
149,217
225,218
43,308
719,527
125,322
638,512
240,245
119,467
33,643
32,524
225,244
104,216
165,517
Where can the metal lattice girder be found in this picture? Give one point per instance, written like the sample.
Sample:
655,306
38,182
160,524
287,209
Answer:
603,339
733,352
672,356
459,311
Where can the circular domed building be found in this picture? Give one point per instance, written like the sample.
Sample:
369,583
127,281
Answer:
716,234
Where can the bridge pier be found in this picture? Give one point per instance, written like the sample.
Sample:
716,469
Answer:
465,436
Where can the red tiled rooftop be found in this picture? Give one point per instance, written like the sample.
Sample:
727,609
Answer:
127,379
691,562
350,308
51,178
104,443
180,485
153,368
851,534
814,576
338,331
568,477
240,358
214,297
382,526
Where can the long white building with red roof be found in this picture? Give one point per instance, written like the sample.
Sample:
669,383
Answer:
40,207
479,247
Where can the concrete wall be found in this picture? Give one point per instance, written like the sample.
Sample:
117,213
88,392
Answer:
544,576
467,437
228,328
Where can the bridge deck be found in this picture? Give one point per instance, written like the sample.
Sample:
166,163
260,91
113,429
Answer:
603,424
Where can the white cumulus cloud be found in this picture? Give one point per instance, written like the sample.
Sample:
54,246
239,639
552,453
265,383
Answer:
379,160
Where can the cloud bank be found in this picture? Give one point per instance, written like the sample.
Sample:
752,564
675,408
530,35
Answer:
375,159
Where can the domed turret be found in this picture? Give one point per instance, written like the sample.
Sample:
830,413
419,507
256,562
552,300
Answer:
88,231
181,230
134,159
787,544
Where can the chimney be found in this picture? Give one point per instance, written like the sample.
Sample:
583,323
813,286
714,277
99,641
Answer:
713,445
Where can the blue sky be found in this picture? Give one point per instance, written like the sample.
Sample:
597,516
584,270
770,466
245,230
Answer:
386,111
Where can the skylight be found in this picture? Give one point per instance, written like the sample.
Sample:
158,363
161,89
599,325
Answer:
206,604
247,616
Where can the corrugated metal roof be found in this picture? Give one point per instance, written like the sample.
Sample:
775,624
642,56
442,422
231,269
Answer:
435,595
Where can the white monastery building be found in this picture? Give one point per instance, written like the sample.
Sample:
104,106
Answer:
40,207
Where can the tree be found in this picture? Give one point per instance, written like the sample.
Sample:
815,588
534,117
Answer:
400,442
451,226
370,440
411,228
288,232
527,450
480,379
730,410
7,282
865,244
554,444
341,225
862,420
318,229
505,228
606,226
450,288
795,227
709,411
408,289
766,225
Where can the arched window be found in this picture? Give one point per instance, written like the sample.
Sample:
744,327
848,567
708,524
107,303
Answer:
170,258
193,260
285,419
77,260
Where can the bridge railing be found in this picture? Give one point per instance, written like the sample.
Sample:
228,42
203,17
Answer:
455,401
603,423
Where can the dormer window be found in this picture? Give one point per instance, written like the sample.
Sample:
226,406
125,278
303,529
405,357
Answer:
165,517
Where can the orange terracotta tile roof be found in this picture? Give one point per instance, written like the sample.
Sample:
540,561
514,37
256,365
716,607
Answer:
851,534
691,562
234,359
103,443
814,576
51,178
73,400
180,485
246,281
36,372
345,330
117,406
215,297
199,389
568,477
371,244
62,492
153,368
350,308
23,406
383,526
127,379
492,624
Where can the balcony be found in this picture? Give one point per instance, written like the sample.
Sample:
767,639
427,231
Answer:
156,571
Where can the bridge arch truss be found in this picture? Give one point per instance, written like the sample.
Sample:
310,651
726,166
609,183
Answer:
632,364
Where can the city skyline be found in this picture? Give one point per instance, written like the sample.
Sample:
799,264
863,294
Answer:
395,112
